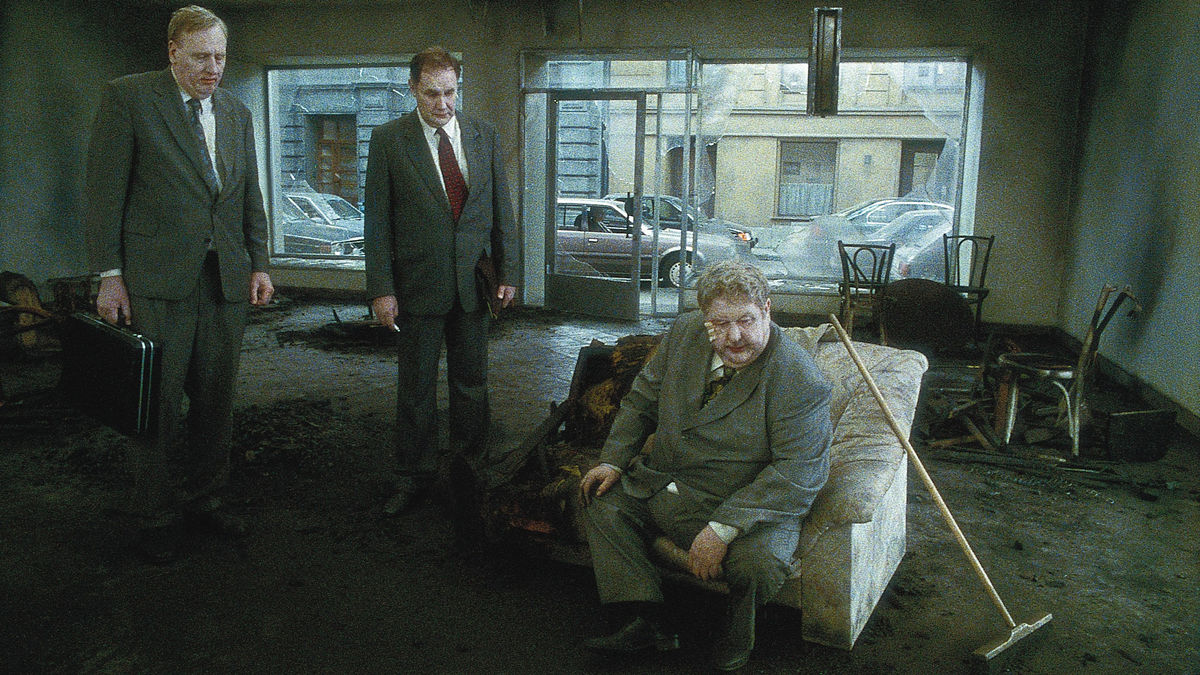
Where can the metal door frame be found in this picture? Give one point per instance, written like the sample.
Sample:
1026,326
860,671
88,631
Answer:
617,298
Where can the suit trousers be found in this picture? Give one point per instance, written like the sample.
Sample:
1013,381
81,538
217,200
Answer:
420,347
620,528
185,458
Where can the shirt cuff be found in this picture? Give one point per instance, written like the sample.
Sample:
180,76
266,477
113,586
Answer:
114,272
725,533
614,467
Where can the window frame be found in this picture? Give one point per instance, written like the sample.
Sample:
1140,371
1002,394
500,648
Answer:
276,182
779,173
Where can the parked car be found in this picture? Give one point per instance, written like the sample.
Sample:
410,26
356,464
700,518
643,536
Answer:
595,237
812,251
305,235
318,223
670,213
918,239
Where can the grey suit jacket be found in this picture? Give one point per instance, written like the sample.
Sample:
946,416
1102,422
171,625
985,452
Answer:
148,208
757,453
414,250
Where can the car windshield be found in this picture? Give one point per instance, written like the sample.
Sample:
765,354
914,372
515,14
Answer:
342,208
857,209
914,228
292,211
673,206
669,215
311,208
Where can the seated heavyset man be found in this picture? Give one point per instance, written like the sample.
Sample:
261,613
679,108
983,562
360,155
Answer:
740,416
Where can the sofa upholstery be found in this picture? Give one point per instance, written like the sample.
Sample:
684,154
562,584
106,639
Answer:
854,536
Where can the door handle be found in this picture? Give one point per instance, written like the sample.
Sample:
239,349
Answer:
592,240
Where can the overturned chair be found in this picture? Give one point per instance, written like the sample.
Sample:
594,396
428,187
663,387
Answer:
851,541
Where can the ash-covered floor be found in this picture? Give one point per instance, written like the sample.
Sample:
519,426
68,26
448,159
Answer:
326,583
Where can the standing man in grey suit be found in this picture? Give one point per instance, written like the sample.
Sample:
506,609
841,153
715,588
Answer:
436,201
741,420
176,229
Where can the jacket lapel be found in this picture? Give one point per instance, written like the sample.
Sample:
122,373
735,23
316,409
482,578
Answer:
170,106
471,143
418,153
228,157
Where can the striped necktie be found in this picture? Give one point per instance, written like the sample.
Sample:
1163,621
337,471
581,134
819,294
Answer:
210,176
715,386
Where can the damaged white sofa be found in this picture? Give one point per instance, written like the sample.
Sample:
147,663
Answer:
854,537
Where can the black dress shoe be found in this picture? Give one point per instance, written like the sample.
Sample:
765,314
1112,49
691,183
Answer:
158,545
635,636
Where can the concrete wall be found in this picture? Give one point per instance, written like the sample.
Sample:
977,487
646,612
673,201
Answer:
1136,187
1137,214
55,56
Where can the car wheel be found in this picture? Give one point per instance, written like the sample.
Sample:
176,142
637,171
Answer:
675,272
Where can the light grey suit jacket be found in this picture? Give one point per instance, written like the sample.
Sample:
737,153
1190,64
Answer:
757,453
414,250
148,208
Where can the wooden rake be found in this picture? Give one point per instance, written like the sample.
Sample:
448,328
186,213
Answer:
986,658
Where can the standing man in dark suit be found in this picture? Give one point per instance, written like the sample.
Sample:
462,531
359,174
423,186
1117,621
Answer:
176,229
740,416
436,201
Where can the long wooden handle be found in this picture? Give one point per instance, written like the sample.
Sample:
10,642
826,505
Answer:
916,461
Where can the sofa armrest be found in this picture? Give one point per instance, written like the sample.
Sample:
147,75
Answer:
852,494
846,568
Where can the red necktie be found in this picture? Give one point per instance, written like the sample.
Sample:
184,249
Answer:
456,188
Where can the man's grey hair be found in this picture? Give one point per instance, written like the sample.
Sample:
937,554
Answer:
734,280
191,19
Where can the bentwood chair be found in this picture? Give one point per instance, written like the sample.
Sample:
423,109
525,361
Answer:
866,270
966,258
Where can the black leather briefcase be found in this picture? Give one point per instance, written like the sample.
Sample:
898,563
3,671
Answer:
109,372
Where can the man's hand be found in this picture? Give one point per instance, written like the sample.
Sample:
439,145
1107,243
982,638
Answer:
386,310
506,295
112,301
706,554
598,480
261,289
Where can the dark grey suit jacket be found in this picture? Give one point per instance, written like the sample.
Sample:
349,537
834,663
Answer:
757,453
414,250
149,210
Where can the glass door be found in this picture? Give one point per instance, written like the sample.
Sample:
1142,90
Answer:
598,250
